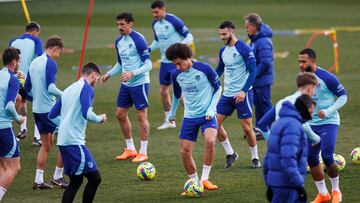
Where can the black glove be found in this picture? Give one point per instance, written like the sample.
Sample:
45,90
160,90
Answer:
269,194
302,194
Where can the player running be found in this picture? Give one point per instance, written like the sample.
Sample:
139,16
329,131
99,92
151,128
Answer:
168,29
40,81
133,62
30,46
9,148
74,109
237,62
201,89
329,96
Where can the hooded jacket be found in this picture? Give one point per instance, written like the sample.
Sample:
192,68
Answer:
286,159
262,47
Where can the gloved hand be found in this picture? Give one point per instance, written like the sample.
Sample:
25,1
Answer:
302,194
269,194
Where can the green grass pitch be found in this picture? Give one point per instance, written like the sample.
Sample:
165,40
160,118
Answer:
239,184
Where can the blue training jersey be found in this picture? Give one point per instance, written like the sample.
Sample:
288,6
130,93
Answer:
168,31
200,87
132,55
9,87
40,79
75,109
239,67
30,48
327,90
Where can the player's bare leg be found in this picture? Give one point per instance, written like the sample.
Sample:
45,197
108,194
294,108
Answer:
166,103
247,127
209,153
125,126
144,129
231,155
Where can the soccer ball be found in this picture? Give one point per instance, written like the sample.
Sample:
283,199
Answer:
339,161
146,171
193,188
355,156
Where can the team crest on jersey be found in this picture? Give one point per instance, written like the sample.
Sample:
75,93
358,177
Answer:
197,77
90,164
234,55
166,27
130,46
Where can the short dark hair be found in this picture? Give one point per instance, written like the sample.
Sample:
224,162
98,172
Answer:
302,104
90,68
54,41
310,52
227,24
305,78
10,54
157,4
254,19
178,50
32,26
128,17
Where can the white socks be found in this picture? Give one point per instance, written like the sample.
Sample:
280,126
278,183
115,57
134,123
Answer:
254,152
321,186
335,183
2,192
58,173
36,133
205,172
167,114
23,126
195,175
143,148
130,144
39,178
227,146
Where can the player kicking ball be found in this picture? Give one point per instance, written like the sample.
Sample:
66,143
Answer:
75,110
201,90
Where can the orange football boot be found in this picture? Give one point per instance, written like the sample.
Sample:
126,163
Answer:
322,198
336,197
140,158
127,154
209,185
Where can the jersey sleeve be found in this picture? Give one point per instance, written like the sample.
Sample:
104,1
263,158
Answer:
55,110
13,88
221,66
38,47
86,99
250,63
179,26
51,71
117,50
141,46
176,86
153,27
334,85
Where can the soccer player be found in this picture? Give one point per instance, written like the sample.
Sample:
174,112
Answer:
260,35
168,29
30,46
75,110
285,160
40,81
133,62
329,96
9,148
237,62
201,89
306,84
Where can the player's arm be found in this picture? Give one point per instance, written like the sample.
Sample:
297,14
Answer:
250,63
181,28
154,45
143,51
176,97
337,89
28,85
117,68
314,138
265,122
38,47
54,114
86,98
289,143
221,66
215,83
51,79
13,88
265,57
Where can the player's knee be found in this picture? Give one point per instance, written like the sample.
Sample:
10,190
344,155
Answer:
185,152
164,91
327,159
248,130
121,115
313,161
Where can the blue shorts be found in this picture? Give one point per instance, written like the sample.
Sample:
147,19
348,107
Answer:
190,127
44,124
9,147
328,134
137,95
165,72
227,105
77,160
